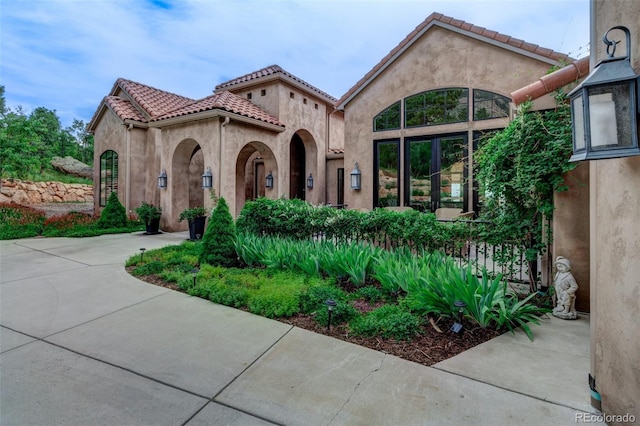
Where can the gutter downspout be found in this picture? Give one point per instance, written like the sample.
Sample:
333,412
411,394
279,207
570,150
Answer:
553,81
127,186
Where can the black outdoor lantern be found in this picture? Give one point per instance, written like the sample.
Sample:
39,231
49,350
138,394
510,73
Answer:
457,326
207,179
162,179
604,107
310,181
269,180
142,250
356,178
331,304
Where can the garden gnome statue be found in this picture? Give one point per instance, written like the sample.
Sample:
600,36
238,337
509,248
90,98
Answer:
566,288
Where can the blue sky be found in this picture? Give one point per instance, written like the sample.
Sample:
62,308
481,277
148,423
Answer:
65,55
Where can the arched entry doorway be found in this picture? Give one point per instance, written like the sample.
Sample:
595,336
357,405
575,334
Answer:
297,167
254,162
186,181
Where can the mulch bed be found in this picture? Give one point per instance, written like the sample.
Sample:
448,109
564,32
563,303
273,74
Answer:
429,348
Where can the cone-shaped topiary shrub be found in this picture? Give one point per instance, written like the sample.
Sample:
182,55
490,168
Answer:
218,242
114,215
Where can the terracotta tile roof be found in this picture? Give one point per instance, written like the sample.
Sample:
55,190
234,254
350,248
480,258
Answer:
438,17
159,105
153,101
226,101
123,109
270,71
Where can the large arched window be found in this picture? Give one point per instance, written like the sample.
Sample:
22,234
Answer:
389,119
440,106
108,175
489,105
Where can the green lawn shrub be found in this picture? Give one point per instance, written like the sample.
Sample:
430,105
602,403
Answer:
218,242
388,321
18,221
113,215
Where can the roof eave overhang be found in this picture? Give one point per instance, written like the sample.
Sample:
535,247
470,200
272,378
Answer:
213,114
455,29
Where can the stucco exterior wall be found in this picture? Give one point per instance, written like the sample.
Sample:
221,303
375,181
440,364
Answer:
110,135
439,59
615,244
571,230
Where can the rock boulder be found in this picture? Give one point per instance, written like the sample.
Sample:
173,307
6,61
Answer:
71,166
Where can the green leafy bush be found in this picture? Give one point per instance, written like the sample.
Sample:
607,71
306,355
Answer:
150,268
343,312
389,321
19,221
369,293
315,297
113,215
218,242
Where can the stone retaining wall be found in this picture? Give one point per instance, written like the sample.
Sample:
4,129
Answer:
27,192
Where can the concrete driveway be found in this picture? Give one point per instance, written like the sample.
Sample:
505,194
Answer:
84,343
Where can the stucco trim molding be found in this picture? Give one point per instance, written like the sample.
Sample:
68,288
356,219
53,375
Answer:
213,114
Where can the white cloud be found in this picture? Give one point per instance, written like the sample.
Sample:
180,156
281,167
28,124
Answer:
66,55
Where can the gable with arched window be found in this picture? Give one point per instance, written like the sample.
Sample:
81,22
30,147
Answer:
108,175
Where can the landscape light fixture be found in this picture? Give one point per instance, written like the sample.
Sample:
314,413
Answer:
195,271
207,179
142,250
269,180
457,326
331,304
310,181
356,178
162,179
604,107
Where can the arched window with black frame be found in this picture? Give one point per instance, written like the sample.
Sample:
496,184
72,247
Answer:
108,175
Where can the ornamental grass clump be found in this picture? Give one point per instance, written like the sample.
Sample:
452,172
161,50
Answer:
218,242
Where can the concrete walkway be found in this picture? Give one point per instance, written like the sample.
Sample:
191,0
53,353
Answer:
84,343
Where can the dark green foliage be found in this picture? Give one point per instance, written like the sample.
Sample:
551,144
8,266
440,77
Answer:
389,321
150,268
342,312
218,242
30,141
369,293
148,212
19,221
113,215
314,298
522,166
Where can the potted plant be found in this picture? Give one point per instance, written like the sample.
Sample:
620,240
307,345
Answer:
196,218
150,216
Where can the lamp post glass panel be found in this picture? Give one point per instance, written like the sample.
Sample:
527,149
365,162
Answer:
207,179
162,179
356,178
604,107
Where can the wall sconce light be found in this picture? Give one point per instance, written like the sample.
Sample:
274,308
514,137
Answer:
162,179
457,326
604,107
207,179
310,181
269,180
331,304
356,178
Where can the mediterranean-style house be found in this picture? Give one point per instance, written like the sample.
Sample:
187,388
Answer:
410,127
411,124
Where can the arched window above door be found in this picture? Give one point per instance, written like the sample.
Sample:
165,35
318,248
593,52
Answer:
433,107
389,119
489,105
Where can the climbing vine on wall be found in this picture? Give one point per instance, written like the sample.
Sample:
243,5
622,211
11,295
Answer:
520,168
